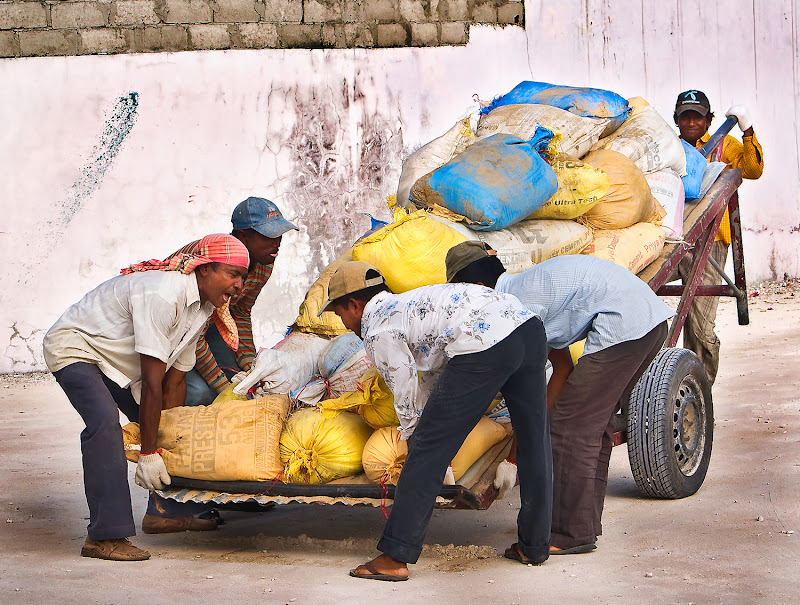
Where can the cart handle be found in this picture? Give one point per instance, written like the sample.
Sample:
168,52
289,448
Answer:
718,136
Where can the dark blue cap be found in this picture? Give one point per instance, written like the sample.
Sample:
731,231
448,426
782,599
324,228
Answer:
261,215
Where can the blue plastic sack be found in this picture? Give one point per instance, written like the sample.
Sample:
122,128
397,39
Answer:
495,183
695,168
587,102
340,350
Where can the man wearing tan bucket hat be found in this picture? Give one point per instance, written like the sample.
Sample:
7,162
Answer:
445,351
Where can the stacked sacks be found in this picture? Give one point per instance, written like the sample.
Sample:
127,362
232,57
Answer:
371,399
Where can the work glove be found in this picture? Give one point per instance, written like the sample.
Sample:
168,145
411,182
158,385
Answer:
742,116
449,477
151,472
505,478
237,378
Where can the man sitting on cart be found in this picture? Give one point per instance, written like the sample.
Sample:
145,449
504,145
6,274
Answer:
693,117
445,351
624,324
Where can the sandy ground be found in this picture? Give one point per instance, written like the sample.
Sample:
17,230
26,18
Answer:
735,541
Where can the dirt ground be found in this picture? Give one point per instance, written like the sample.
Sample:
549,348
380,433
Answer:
735,541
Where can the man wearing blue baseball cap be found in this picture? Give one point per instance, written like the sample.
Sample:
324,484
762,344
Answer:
259,225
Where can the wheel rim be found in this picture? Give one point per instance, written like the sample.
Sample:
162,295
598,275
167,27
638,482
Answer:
688,426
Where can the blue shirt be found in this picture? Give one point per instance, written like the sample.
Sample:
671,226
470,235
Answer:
580,296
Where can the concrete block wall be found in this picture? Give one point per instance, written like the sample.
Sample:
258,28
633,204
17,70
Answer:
33,28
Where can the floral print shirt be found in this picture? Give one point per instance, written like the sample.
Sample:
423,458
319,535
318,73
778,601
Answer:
410,336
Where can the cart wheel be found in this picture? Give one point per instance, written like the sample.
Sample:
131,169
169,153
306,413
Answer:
671,425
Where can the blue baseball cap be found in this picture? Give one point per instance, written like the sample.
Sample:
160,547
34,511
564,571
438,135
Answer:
261,215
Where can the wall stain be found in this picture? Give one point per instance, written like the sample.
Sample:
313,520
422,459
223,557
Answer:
19,352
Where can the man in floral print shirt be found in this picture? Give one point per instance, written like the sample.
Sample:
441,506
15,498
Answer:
445,351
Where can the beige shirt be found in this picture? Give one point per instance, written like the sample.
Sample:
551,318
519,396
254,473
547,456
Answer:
155,313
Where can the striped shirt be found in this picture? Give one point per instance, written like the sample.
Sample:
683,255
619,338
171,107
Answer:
748,157
240,307
580,296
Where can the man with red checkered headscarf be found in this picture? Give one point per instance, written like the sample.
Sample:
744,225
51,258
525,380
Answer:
126,346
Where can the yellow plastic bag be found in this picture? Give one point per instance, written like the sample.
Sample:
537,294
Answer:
410,251
580,187
227,441
385,453
633,248
372,400
576,350
328,324
316,449
227,394
628,200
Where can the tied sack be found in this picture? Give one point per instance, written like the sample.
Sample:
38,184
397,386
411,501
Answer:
580,188
628,201
371,399
649,141
227,441
667,187
385,452
227,394
634,247
318,449
328,324
590,102
410,251
341,365
495,183
577,134
431,156
695,169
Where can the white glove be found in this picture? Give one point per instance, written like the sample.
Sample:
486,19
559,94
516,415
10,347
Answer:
742,115
449,477
505,478
237,378
151,472
267,366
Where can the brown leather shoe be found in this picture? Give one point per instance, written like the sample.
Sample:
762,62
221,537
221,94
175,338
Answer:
119,549
152,524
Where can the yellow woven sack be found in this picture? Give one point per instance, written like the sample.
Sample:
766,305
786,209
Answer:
227,394
633,248
410,251
372,400
387,452
315,449
384,455
227,441
580,187
628,200
328,324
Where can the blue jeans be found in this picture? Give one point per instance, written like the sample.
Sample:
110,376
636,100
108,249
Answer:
463,393
198,392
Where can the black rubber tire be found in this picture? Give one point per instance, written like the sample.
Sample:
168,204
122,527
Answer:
671,426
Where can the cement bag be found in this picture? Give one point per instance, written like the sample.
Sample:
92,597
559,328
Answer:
385,452
628,200
577,134
285,368
316,449
648,140
371,399
328,324
431,156
633,248
695,168
409,252
343,363
667,187
228,441
495,183
580,187
587,102
541,239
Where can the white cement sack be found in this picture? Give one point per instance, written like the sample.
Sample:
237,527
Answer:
667,187
431,156
578,134
647,139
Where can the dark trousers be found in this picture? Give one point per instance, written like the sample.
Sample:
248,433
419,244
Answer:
99,400
463,393
581,428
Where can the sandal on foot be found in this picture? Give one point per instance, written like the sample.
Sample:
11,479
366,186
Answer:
575,550
119,549
374,574
515,552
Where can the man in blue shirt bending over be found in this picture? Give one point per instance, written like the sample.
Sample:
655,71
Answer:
624,324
